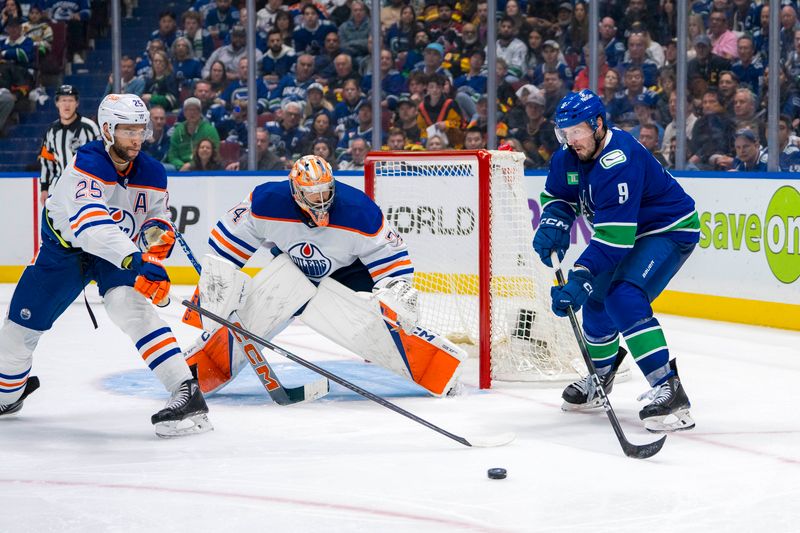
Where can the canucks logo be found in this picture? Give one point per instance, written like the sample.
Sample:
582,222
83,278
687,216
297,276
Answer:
310,260
124,221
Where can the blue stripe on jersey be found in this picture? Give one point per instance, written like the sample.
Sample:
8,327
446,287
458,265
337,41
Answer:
400,273
95,223
16,376
372,265
150,336
224,254
234,238
161,358
6,391
84,208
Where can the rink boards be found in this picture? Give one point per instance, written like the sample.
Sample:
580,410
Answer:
745,269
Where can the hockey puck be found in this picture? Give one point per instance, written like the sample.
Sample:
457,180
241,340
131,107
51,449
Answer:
497,473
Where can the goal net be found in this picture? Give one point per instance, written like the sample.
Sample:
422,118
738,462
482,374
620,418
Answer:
467,222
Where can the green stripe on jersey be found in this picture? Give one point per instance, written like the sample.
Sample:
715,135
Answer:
689,223
646,341
546,198
616,235
600,351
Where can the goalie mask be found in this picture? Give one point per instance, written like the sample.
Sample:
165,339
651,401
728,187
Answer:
313,187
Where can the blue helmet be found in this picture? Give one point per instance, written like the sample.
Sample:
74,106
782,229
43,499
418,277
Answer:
583,106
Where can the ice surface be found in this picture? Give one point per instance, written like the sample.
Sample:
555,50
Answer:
82,455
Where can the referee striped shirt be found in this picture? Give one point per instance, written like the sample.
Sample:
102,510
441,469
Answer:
60,144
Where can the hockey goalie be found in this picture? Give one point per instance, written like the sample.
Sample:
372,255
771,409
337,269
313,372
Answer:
337,265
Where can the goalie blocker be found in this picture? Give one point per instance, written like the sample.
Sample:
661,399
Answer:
377,326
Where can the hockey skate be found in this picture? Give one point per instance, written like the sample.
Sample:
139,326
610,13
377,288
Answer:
186,413
30,386
577,396
669,408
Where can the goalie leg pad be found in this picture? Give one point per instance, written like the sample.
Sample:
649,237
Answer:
215,360
275,295
222,288
367,327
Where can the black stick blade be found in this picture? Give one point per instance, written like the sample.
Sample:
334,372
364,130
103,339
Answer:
644,451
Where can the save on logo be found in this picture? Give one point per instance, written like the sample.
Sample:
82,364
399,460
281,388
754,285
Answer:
782,234
777,232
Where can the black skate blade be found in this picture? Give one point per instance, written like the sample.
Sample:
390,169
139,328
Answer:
643,451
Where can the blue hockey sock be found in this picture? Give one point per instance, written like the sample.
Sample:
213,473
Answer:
648,346
603,352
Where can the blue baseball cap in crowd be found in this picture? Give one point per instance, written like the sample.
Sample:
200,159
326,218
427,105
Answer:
436,47
646,99
747,133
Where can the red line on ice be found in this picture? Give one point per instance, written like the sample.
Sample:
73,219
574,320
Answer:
268,499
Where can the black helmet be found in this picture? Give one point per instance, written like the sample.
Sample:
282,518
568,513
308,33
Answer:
67,90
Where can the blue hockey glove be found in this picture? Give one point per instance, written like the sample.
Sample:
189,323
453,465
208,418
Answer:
552,235
153,280
574,293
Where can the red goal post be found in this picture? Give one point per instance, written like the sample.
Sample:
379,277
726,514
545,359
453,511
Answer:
467,222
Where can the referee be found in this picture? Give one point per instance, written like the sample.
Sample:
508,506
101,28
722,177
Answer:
64,137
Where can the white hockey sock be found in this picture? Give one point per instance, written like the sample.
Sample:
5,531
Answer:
153,338
16,354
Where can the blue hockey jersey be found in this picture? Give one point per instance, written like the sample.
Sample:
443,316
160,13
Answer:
624,193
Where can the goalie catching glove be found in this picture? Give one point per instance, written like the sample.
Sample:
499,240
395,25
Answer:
157,238
401,297
153,280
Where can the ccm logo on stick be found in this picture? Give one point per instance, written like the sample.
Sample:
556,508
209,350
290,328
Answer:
257,361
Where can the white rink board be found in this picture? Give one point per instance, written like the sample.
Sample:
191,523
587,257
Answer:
16,220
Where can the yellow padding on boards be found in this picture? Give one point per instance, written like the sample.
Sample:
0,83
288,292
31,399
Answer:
776,315
467,284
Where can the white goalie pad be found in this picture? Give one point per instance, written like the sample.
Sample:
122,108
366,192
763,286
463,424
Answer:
223,288
275,295
367,327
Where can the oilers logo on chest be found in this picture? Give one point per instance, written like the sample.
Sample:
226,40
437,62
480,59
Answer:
124,220
310,259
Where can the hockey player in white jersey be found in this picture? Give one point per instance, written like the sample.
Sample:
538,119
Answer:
337,264
108,199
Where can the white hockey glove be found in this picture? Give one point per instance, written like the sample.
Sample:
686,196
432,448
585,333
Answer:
400,297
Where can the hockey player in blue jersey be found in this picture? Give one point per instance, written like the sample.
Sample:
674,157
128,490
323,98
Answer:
645,227
337,264
108,200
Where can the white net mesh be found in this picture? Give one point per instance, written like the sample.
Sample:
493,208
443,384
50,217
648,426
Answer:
433,203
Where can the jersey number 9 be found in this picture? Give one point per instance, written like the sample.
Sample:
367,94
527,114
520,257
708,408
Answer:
623,192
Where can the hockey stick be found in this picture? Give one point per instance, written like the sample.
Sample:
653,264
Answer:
269,380
498,440
637,451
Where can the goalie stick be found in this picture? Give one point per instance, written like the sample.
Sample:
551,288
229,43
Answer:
485,442
638,451
266,375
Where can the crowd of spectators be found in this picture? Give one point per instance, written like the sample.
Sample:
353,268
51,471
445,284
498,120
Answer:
315,77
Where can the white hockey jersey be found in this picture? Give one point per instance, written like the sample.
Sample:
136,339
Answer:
94,207
357,231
